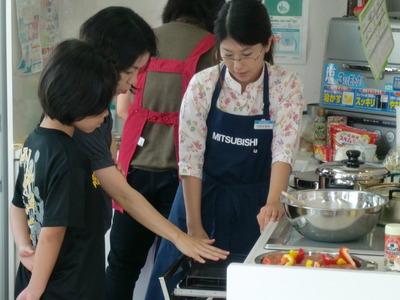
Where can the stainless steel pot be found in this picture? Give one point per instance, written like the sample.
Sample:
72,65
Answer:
350,173
391,211
305,181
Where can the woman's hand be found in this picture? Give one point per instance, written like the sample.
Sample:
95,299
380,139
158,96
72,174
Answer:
274,210
199,233
26,256
119,167
271,212
199,249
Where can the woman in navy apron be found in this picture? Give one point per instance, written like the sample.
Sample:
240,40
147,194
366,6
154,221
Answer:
238,138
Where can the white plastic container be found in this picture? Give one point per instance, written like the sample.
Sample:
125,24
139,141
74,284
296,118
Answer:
392,247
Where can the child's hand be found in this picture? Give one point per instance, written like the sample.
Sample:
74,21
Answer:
26,256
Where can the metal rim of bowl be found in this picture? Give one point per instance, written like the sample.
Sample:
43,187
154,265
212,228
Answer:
289,202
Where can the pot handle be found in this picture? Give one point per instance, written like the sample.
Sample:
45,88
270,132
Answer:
339,186
393,191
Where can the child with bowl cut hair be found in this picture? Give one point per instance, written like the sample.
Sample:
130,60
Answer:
55,216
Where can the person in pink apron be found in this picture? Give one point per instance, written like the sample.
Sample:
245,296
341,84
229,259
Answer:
149,144
238,139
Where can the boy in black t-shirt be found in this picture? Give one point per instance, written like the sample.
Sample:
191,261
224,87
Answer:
55,217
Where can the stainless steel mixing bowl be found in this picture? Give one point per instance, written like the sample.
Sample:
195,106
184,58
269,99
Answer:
334,215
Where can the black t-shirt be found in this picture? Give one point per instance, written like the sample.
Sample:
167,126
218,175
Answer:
56,187
97,145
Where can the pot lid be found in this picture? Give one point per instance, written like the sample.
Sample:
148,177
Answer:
352,169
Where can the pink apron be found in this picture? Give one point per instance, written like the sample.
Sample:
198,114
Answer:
138,116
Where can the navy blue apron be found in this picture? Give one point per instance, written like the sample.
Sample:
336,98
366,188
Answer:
236,172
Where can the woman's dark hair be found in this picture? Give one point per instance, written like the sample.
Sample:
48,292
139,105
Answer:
120,34
247,22
202,12
76,82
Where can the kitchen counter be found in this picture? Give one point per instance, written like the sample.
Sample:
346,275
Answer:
254,281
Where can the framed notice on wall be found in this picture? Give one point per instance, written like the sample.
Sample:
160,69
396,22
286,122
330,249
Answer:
38,31
289,20
376,36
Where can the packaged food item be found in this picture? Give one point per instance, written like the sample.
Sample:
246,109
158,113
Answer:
330,121
343,135
391,249
367,151
306,133
320,128
323,153
392,160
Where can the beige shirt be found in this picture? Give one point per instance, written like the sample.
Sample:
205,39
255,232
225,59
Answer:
163,93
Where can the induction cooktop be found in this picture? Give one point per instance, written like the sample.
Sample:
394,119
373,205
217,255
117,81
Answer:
285,236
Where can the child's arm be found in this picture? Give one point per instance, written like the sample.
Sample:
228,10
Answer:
20,231
50,241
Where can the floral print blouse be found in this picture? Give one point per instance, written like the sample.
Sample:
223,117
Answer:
286,109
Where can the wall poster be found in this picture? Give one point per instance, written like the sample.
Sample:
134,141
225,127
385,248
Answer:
289,20
376,36
38,30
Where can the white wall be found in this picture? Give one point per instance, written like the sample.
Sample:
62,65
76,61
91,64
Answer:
74,13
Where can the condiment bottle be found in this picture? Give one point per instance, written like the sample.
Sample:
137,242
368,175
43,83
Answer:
391,250
114,117
320,127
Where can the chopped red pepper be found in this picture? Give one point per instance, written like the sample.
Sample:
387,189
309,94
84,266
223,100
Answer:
328,260
265,261
300,256
344,253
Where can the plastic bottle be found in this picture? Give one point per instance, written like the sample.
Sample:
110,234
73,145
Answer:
320,127
114,117
391,249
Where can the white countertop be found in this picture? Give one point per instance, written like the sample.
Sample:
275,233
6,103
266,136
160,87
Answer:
259,282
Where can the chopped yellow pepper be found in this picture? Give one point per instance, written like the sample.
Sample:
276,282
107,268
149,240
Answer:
309,263
287,260
341,261
293,253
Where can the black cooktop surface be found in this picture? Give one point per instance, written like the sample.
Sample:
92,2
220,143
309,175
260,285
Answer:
210,275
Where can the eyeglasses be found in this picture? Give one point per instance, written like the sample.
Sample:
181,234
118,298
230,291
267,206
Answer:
245,59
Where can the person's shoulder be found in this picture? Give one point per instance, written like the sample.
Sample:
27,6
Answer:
178,29
278,72
47,137
55,145
210,74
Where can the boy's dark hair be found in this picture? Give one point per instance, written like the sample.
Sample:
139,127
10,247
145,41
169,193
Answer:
120,35
77,82
203,12
245,21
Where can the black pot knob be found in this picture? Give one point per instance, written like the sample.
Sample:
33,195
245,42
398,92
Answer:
352,161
